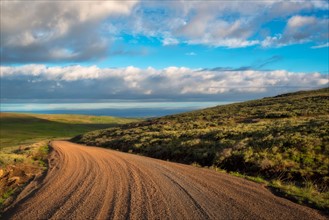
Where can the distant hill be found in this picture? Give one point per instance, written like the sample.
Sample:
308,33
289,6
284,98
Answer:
20,128
284,137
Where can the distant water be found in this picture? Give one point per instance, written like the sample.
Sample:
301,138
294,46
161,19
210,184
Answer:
119,109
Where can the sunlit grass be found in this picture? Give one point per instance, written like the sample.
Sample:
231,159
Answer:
308,194
20,129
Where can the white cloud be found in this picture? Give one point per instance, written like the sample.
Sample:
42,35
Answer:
300,21
229,43
300,29
320,46
190,54
57,30
164,83
45,18
273,41
169,41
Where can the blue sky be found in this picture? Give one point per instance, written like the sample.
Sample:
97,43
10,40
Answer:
170,50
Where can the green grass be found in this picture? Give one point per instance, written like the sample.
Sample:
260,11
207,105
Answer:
308,194
19,129
256,179
282,138
5,196
23,162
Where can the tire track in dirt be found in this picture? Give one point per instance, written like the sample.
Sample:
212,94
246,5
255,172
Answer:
95,183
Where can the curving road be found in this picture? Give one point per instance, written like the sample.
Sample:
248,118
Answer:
94,183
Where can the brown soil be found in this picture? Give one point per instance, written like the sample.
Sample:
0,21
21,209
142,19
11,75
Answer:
94,183
13,177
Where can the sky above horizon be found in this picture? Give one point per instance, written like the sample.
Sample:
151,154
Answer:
162,50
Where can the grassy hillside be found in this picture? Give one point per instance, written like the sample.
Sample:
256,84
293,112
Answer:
283,138
18,129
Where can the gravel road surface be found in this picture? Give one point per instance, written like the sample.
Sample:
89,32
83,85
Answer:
95,183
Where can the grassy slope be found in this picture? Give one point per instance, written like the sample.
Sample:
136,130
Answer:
283,139
18,129
23,144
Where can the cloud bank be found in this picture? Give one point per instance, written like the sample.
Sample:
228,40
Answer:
172,83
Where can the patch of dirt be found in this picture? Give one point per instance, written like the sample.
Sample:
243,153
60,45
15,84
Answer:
14,177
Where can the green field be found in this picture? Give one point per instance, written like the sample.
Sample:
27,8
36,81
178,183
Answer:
20,129
21,135
282,139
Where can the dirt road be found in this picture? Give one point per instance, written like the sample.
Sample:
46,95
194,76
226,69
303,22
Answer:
95,183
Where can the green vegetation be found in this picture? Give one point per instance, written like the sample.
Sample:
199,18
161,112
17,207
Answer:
24,144
5,196
307,194
283,138
18,166
19,129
